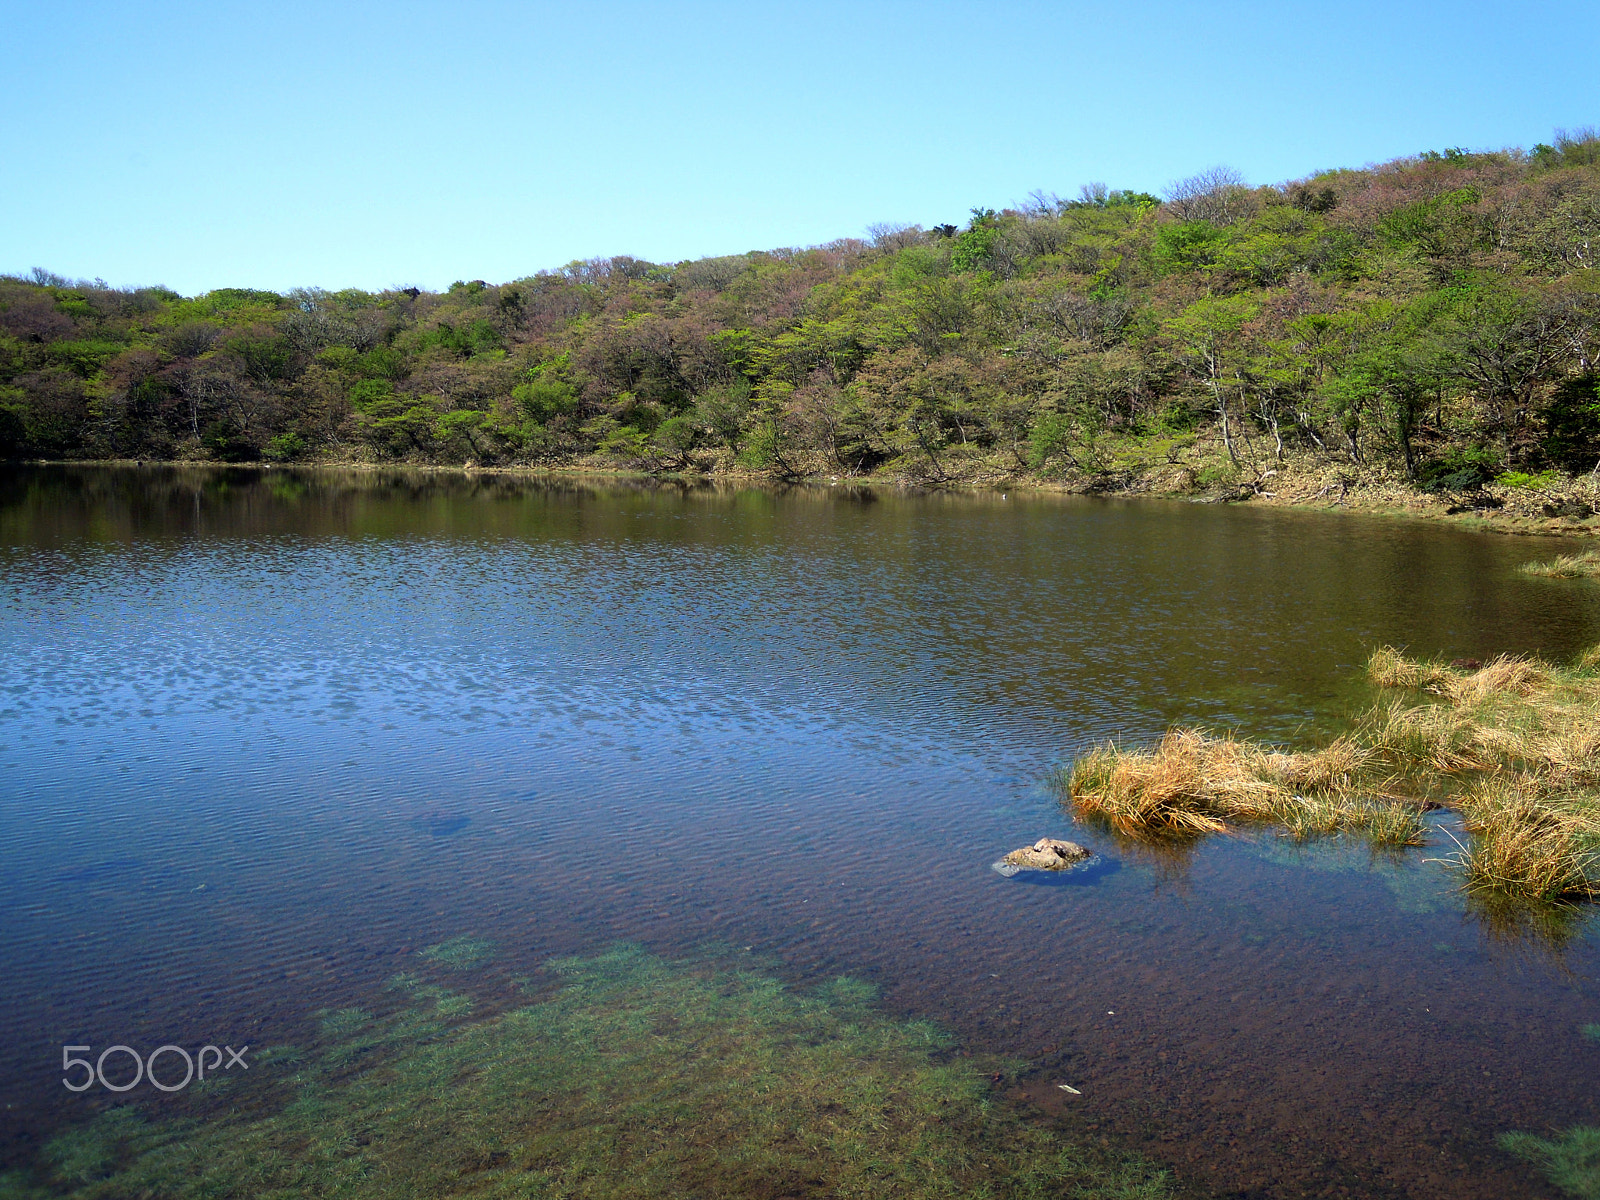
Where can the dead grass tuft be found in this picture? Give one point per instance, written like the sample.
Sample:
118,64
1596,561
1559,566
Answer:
1389,668
1505,676
1193,783
1165,791
1426,737
1527,841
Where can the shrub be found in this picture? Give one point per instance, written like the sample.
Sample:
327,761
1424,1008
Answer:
224,442
1572,424
286,447
369,393
1521,479
1460,470
544,397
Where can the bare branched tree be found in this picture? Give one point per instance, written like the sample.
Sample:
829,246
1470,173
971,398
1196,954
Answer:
1041,204
312,323
891,238
1216,194
710,274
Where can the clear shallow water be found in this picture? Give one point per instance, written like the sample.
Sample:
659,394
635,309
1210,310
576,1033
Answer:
264,735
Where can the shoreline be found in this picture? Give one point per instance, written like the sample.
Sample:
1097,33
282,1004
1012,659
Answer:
1369,492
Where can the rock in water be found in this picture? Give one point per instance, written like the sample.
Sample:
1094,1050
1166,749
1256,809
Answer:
1047,854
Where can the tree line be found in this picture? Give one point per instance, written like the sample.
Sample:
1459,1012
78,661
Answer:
1439,314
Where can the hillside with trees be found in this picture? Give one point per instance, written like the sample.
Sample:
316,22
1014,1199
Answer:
1436,317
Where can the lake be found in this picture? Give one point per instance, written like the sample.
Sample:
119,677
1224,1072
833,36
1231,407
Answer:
264,735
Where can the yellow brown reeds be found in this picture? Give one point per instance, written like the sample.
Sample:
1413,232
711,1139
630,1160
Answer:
1389,668
1572,751
1386,823
1513,745
1194,783
1428,737
1505,676
1528,841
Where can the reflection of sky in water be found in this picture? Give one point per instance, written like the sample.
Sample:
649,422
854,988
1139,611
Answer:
256,750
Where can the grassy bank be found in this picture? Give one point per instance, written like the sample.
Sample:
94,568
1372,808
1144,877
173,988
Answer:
1512,746
627,1076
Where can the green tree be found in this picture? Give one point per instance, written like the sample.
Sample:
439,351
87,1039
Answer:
1210,334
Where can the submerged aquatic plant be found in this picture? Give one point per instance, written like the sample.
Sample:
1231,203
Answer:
1570,1160
1513,745
628,1077
1592,1032
459,953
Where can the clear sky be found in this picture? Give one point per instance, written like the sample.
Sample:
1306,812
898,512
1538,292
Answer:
343,144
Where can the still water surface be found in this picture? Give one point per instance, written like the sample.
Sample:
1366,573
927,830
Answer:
264,735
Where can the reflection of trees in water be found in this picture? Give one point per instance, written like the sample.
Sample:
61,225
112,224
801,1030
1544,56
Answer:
64,501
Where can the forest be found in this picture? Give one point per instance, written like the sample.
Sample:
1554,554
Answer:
1436,316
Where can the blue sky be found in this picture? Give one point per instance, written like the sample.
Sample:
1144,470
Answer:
340,144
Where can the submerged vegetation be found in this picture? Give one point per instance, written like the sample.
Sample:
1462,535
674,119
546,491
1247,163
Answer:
1512,746
1434,318
461,953
632,1077
1570,1160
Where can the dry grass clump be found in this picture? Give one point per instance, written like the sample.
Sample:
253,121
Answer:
1193,783
1387,823
1420,738
1505,676
1514,745
1565,566
1389,668
1171,789
1528,842
1571,751
1511,712
1521,741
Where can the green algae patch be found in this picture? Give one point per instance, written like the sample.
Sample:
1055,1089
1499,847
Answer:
627,1076
1592,1032
1570,1160
462,953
